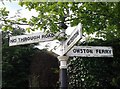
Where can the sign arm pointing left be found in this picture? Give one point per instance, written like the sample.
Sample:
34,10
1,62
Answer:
30,38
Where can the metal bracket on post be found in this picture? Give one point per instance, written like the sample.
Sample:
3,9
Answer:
63,61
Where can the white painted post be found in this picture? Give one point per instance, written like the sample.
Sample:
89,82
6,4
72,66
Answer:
63,61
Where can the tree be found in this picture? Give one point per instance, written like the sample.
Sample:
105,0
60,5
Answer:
44,70
99,18
15,60
18,62
8,23
96,73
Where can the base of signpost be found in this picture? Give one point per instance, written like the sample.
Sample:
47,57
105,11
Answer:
63,72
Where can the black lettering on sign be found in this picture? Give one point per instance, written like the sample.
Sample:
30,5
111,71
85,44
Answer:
35,37
77,51
72,39
28,38
13,40
22,39
74,50
97,51
106,51
110,52
48,35
82,51
102,51
89,51
38,37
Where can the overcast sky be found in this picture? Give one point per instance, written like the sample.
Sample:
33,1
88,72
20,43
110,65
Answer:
13,7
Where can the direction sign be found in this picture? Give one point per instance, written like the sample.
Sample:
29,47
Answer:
59,50
73,39
30,38
91,51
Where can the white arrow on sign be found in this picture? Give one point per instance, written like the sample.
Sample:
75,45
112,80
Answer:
91,51
30,38
73,39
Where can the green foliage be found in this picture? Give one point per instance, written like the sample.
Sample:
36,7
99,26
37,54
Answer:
102,18
3,12
99,17
96,17
8,24
96,73
15,62
3,16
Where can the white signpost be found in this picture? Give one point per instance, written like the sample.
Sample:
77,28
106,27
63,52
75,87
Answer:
70,42
91,51
30,38
73,39
66,49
